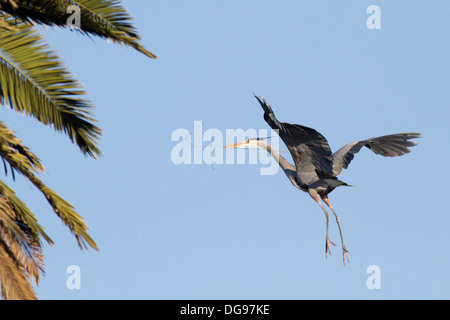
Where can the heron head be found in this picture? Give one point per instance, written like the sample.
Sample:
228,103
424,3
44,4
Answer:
249,143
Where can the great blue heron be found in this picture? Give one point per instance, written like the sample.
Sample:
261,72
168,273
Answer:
316,167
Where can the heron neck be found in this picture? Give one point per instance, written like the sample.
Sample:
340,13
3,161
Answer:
284,164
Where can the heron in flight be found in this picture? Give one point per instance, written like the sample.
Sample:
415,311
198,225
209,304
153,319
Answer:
316,167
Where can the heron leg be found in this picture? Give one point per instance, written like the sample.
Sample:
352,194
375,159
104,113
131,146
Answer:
338,221
313,193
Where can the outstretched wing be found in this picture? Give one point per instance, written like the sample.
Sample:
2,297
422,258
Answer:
309,149
388,146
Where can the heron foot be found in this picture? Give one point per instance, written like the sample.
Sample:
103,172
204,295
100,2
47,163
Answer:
345,254
327,247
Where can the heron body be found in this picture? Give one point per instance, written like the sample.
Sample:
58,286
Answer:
325,186
316,167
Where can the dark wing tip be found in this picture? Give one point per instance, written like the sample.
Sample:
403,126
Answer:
393,145
409,135
264,104
413,135
260,99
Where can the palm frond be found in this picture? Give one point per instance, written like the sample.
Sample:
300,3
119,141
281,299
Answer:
103,18
33,81
23,245
66,213
19,156
64,210
9,146
14,146
14,284
19,228
23,215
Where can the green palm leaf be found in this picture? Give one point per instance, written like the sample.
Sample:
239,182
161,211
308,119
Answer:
103,18
33,81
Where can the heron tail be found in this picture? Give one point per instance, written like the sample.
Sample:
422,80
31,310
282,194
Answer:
334,183
347,185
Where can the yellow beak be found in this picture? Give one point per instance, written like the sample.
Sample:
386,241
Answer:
237,145
232,146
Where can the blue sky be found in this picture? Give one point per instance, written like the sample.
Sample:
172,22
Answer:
225,231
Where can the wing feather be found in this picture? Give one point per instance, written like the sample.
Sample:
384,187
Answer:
393,145
309,149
